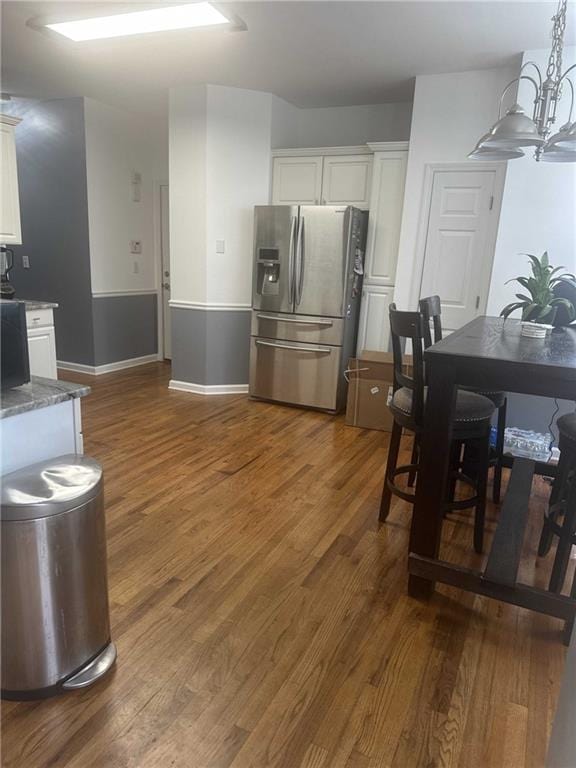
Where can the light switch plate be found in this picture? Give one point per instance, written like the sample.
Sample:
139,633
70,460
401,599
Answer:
135,246
25,262
220,246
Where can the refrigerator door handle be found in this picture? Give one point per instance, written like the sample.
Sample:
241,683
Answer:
291,260
322,350
300,261
295,320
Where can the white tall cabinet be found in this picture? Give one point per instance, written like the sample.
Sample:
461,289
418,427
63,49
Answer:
386,202
370,177
10,232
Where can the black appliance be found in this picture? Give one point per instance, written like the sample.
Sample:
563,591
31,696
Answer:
14,363
6,265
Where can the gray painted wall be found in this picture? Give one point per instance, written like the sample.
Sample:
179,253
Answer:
51,152
210,347
124,327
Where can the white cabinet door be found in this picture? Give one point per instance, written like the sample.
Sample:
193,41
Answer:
296,180
346,180
9,202
42,352
374,328
389,176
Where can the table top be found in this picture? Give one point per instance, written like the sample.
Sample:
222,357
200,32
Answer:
490,354
493,338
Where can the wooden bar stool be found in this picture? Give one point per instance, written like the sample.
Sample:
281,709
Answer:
430,308
562,502
471,422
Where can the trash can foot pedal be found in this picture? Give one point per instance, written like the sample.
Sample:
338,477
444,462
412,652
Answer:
93,671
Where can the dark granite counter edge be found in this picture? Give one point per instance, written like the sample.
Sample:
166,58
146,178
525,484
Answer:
39,393
32,305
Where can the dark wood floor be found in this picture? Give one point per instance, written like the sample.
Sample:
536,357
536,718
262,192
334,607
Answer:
261,614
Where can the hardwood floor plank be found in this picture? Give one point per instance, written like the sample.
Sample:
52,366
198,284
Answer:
261,613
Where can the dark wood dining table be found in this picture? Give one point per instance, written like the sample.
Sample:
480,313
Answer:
488,354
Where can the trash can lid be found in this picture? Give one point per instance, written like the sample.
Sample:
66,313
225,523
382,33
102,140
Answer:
49,487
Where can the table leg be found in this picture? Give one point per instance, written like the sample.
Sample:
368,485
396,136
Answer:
433,469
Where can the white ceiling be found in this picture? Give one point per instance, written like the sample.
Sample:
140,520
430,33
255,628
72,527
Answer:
309,53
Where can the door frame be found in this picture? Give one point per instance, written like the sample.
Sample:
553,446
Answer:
430,169
158,264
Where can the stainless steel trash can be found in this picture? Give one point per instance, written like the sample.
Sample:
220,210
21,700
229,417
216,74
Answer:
55,620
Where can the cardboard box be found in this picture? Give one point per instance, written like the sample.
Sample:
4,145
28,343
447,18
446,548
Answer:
370,388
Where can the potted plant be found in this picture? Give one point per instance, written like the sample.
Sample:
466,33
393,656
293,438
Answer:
547,294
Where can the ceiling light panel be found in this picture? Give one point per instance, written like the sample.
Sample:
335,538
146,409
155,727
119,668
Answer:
141,22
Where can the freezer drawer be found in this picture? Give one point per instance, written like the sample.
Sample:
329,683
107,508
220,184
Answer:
290,327
297,373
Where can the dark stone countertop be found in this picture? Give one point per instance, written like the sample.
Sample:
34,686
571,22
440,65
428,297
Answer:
31,305
38,393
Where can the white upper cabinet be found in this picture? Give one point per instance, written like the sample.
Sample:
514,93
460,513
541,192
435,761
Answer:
10,233
389,175
340,178
346,180
297,180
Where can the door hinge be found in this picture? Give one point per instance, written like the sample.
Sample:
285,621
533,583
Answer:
477,302
491,202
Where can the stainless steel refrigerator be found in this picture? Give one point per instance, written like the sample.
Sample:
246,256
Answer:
307,283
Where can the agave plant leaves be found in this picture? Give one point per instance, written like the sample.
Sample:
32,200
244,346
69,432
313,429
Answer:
540,303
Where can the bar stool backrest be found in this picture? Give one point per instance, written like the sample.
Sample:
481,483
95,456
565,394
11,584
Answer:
430,309
404,326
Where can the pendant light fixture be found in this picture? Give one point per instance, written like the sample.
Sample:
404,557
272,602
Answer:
515,130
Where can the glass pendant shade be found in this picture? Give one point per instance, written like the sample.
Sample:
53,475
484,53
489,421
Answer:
513,130
565,139
481,152
554,154
491,153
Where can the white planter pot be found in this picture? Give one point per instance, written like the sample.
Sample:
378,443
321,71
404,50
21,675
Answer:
535,330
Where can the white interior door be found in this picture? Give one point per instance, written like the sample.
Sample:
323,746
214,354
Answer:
165,264
460,243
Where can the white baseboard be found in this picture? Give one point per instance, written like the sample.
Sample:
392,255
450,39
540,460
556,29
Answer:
208,389
98,370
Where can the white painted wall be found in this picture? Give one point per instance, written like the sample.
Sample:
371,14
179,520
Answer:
117,144
188,204
338,126
238,173
285,124
219,170
539,205
450,112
